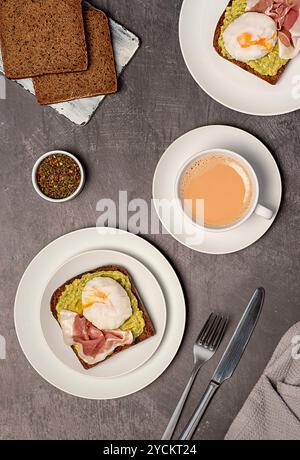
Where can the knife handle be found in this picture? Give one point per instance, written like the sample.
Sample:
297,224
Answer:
190,428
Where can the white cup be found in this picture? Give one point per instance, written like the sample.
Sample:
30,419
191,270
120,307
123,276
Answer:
254,208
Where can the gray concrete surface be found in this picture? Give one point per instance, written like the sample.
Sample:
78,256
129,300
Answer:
120,147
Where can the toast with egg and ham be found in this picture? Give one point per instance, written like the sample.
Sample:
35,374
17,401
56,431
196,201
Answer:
148,330
272,79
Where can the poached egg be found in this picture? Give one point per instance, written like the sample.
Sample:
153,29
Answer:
105,303
251,36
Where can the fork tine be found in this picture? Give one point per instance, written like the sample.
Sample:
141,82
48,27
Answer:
222,333
209,330
219,333
213,331
205,328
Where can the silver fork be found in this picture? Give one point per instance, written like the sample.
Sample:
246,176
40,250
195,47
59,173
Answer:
205,346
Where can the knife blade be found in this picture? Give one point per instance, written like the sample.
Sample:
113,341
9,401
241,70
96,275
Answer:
240,338
229,360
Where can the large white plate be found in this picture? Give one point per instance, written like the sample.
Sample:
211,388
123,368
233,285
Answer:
207,138
27,313
223,81
148,289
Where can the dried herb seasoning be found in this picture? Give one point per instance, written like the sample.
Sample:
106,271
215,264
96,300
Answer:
58,176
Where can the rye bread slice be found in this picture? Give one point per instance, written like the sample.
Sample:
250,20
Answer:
149,330
38,37
270,79
100,77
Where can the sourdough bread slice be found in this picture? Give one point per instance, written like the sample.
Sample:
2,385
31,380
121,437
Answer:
270,79
100,77
148,331
38,37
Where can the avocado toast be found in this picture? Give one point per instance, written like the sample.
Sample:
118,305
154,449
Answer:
68,297
269,68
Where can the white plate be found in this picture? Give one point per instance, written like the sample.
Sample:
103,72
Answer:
148,289
223,81
27,313
236,140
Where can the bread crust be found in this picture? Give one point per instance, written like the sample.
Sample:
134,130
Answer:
148,331
273,80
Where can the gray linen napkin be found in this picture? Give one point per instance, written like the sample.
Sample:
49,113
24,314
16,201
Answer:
272,411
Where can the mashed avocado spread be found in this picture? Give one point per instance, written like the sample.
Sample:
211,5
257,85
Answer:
70,299
268,65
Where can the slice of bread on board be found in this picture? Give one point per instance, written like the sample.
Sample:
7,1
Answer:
39,37
270,79
148,331
100,77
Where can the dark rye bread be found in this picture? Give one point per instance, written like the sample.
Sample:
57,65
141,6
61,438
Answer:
149,330
270,79
38,37
100,78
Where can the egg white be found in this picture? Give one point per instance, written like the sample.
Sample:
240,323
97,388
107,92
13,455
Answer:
105,303
67,319
259,26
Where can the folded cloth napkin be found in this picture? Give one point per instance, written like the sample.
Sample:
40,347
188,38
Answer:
272,411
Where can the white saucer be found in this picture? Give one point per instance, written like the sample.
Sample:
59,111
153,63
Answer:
148,288
224,81
225,137
28,324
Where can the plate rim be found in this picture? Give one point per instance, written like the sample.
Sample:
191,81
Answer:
205,127
229,106
159,369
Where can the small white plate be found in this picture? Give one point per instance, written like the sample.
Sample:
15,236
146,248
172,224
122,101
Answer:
149,290
229,138
28,306
224,81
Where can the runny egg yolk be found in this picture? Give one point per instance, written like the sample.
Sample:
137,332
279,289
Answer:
246,40
101,294
95,296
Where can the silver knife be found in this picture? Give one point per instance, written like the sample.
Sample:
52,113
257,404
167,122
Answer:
229,360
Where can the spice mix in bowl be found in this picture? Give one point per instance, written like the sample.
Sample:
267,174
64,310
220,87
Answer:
58,176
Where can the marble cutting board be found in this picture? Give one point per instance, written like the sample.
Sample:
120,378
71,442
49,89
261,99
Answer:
80,111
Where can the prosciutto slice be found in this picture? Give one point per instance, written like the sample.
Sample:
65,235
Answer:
286,14
94,344
93,340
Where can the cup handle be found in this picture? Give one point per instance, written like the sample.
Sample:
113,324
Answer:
264,212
